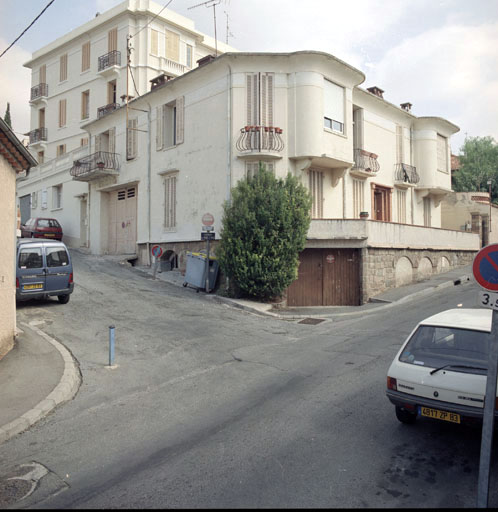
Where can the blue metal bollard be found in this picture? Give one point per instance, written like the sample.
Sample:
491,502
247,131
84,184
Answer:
111,345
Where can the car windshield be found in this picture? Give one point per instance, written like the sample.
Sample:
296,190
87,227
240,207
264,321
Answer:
47,223
435,347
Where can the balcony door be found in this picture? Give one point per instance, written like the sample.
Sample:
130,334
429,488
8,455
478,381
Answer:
381,202
41,118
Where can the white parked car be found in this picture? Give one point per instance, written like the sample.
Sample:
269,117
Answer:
440,371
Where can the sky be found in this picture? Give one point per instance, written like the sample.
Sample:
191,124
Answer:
439,55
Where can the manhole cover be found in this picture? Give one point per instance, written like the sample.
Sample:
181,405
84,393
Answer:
311,321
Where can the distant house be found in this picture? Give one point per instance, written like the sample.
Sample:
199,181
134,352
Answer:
15,160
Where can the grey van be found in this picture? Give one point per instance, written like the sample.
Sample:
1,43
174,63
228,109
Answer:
43,269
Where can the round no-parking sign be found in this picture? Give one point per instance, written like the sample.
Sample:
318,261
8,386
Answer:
157,251
485,267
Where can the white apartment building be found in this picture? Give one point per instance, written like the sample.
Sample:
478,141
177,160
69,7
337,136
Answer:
191,139
82,76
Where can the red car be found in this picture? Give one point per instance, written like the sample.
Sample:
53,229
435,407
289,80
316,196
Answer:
42,228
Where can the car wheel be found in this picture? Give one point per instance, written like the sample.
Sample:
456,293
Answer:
405,416
63,299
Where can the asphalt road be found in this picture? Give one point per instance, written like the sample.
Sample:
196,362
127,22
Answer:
211,406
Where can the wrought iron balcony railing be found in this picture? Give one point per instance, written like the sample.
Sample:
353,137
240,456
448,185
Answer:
406,173
95,165
260,138
38,91
109,59
365,161
102,111
38,135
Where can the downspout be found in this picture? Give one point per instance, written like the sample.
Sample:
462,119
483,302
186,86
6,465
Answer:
412,192
149,172
229,135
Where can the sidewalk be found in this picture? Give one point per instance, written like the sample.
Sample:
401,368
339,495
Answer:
39,373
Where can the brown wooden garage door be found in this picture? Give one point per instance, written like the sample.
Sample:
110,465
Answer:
122,231
326,277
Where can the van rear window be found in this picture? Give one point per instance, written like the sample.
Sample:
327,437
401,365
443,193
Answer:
30,258
57,257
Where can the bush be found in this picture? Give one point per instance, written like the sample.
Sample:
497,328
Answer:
264,229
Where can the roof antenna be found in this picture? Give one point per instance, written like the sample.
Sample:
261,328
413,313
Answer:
229,34
213,4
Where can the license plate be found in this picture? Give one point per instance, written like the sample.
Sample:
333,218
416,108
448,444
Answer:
440,415
37,286
49,234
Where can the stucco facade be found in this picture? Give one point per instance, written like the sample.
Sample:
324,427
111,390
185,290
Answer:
14,161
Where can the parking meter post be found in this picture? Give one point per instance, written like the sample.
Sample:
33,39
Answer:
488,416
111,345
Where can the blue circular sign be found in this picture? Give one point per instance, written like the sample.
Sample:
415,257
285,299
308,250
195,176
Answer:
485,267
157,251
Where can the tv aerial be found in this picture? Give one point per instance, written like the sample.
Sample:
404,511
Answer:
213,4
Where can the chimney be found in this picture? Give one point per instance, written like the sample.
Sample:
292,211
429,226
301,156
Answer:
406,106
376,90
205,60
160,80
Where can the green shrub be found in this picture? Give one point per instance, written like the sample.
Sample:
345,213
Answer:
264,229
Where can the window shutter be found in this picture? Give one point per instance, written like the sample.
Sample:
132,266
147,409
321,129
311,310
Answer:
98,143
154,42
358,129
62,113
112,40
266,99
44,198
131,143
112,140
63,68
159,127
180,117
399,144
172,46
252,99
85,56
170,202
333,101
43,74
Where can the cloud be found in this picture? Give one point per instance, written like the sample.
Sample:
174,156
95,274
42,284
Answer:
449,72
15,87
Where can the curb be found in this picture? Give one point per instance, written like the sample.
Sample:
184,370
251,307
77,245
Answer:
64,391
381,306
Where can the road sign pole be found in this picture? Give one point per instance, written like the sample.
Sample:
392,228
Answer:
207,267
489,416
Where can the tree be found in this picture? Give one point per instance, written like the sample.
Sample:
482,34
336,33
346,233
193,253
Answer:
264,229
478,164
6,117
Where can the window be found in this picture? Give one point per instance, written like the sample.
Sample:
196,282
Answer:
41,118
112,40
42,79
259,99
358,194
131,139
333,101
61,149
252,168
401,200
41,156
154,42
442,153
427,212
316,189
56,257
62,113
44,199
111,92
30,258
170,201
63,68
85,56
84,141
34,200
85,104
358,128
190,54
172,46
381,202
57,197
170,124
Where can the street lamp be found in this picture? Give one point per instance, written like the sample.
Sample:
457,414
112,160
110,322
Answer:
489,183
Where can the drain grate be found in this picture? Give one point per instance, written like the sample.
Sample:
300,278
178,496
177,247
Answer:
311,321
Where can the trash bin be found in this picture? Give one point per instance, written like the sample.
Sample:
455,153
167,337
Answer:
195,274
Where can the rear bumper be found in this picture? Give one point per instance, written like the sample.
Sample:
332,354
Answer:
28,295
403,399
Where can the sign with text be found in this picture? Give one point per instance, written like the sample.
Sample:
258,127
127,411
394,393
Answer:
207,235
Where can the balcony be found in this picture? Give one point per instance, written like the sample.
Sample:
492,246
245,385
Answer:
109,64
38,135
260,139
365,164
102,111
95,166
39,92
405,175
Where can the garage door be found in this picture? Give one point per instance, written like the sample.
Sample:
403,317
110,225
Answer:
326,277
123,221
